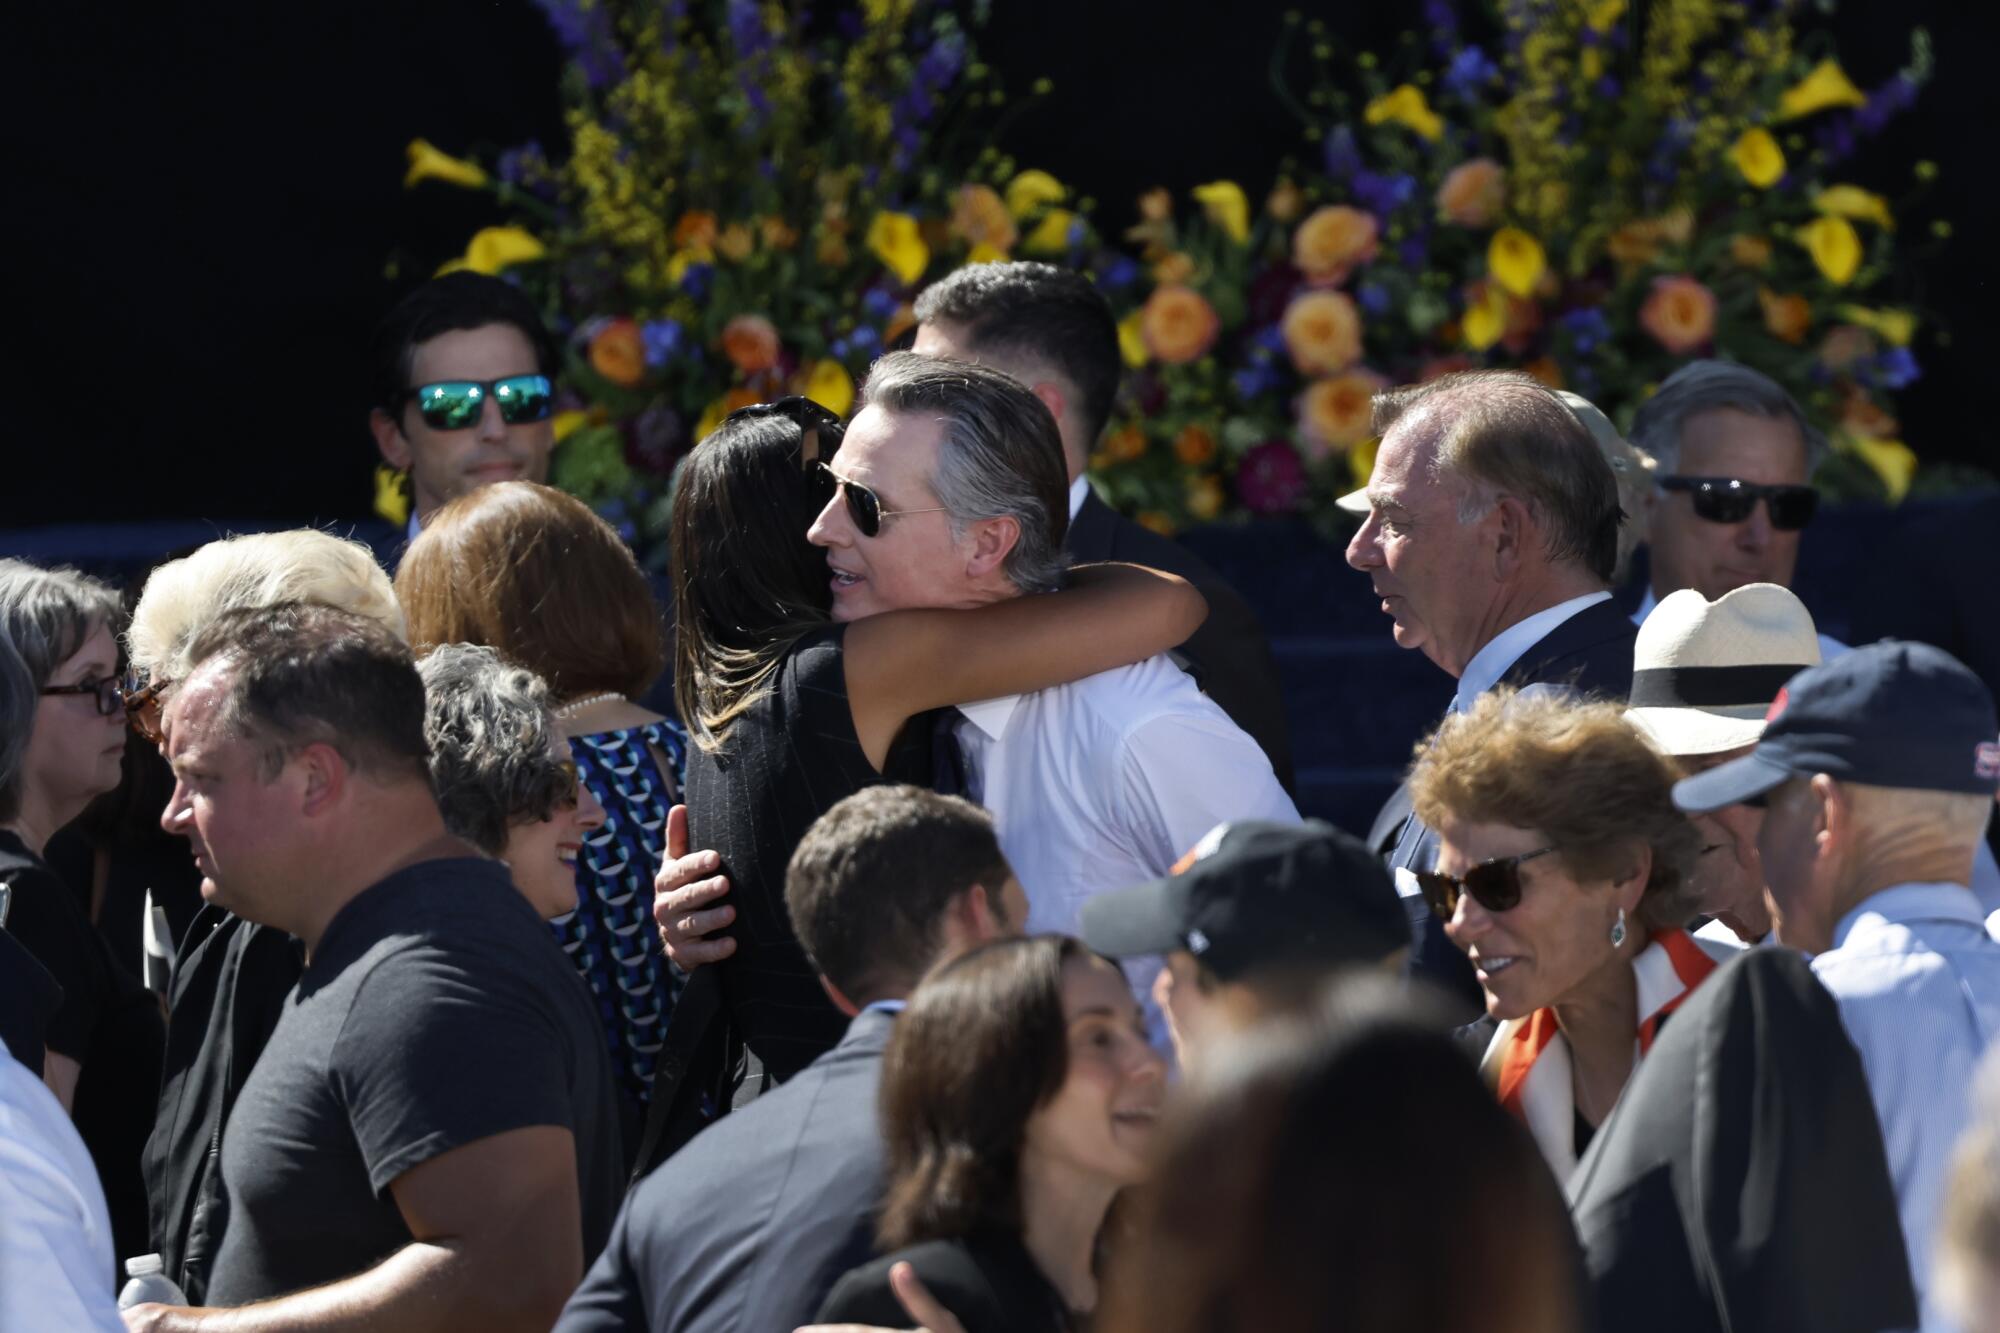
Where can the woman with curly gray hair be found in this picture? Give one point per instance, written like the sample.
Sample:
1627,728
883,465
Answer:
502,769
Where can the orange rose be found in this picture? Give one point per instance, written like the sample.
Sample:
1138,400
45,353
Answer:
1844,346
778,234
618,353
1178,324
1750,251
1323,333
1680,314
1330,242
899,323
735,243
1444,365
1204,497
1195,445
1864,416
1156,521
1474,193
1546,372
1125,444
1173,266
1335,413
980,215
1156,205
751,343
696,230
1286,201
1787,317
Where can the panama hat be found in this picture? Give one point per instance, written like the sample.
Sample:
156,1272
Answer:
1704,674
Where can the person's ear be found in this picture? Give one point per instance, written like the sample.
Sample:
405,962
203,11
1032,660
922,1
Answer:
840,1001
395,449
322,775
992,541
1833,819
1630,885
1513,529
1053,398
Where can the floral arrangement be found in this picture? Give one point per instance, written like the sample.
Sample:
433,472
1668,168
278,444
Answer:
752,197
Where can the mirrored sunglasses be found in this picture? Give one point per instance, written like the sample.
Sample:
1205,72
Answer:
457,404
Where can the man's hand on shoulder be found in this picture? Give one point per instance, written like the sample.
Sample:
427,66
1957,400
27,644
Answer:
683,892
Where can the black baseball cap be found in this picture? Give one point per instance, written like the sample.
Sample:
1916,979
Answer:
1891,714
1256,894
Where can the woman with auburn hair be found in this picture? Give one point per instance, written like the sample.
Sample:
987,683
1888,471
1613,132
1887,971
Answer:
1563,873
1019,1096
532,573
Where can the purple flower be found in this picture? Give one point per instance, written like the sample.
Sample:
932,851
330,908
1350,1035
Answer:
1343,159
1374,298
747,32
662,338
863,337
1117,273
1587,328
1885,103
1609,88
1383,195
1470,73
878,303
1253,381
1415,251
695,280
1440,17
1896,369
650,439
1272,479
586,35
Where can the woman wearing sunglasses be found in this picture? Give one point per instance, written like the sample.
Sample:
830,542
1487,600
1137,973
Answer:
105,1038
1563,872
790,712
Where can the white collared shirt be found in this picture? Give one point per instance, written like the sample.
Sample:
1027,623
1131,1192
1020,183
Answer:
1504,649
1079,491
56,1258
1917,979
1829,647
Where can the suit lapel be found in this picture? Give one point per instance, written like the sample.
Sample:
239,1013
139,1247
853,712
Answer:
1092,533
1558,654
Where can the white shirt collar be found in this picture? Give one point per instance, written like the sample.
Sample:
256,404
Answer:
991,715
885,1007
1079,491
410,532
1646,605
1911,902
1493,661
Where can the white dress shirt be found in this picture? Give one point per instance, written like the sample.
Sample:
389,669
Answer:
1829,647
1917,979
56,1260
1079,491
1504,649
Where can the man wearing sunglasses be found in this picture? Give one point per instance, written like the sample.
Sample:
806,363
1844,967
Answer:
462,389
1734,458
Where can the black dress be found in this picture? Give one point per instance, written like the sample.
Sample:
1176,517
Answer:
108,1022
989,1280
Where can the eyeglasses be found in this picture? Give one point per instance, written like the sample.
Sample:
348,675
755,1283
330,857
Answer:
865,507
144,708
456,404
1727,500
1495,885
110,694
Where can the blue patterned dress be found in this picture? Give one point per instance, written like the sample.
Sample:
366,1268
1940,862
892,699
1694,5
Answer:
610,936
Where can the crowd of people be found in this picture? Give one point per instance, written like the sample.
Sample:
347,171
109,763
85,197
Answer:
910,923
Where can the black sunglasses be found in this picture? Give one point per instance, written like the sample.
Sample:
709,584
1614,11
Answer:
1495,885
456,404
1727,500
865,507
820,430
110,693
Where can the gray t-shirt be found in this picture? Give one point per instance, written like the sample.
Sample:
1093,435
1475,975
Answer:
437,1011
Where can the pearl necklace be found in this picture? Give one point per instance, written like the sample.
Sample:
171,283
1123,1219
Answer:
575,706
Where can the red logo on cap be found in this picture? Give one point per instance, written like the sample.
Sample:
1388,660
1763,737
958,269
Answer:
1986,761
1778,704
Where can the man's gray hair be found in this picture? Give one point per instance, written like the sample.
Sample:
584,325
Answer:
492,738
18,702
1704,386
46,615
1000,455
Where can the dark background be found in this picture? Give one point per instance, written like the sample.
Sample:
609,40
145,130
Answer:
206,216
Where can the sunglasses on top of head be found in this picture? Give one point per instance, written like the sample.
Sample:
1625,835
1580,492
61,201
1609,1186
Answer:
1495,885
457,404
820,434
1727,500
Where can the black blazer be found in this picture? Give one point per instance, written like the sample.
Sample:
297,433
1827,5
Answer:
1229,653
749,1225
1741,1182
988,1280
1591,652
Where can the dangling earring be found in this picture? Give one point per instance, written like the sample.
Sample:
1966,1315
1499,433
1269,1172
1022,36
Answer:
1618,929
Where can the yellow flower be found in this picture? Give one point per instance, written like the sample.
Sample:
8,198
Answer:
985,254
1204,497
1132,340
1750,251
979,215
736,242
494,248
1515,260
831,387
1286,202
1759,158
565,424
1895,326
428,164
1032,190
1155,521
1405,105
718,408
1051,234
1226,206
895,240
1605,14
1485,319
1827,85
1361,459
1851,201
392,494
1834,247
1892,461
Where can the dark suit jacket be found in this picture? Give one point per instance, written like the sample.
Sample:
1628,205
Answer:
1741,1182
1591,652
749,1226
1229,653
988,1280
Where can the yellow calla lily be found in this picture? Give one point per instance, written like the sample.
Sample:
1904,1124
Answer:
565,424
1892,461
1605,14
983,253
1515,260
1227,207
711,416
1051,234
896,240
1361,459
1132,340
831,387
1834,248
1851,201
1827,86
1405,105
392,494
428,164
494,248
1757,155
1032,190
1894,326
1485,322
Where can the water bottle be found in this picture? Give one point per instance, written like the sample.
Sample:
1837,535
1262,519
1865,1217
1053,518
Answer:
149,1283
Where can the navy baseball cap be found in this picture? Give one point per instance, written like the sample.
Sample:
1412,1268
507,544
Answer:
1891,714
1256,894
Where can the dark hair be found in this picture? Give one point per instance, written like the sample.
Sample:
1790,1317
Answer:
1285,1199
303,674
869,884
47,615
1502,433
528,570
455,301
1705,386
747,583
1053,317
999,456
981,1047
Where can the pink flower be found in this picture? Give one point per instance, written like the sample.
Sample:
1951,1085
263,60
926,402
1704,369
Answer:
1272,479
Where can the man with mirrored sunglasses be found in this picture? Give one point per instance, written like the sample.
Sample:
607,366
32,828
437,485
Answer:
463,389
